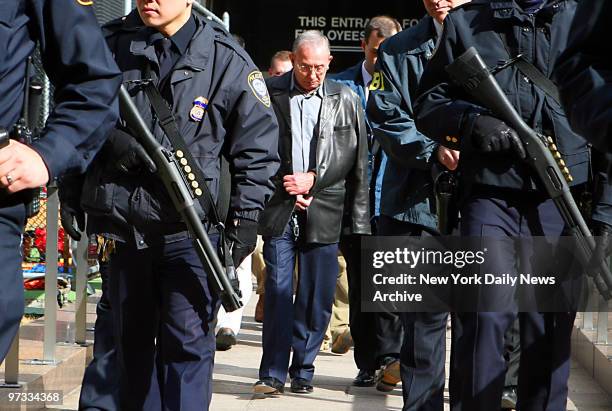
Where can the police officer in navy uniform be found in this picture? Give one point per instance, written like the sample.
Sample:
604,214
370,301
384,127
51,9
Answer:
86,81
164,309
500,197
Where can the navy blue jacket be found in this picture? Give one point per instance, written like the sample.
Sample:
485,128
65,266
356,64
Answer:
500,30
584,73
79,65
239,123
353,78
407,187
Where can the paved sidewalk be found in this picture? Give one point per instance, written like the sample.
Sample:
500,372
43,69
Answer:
236,371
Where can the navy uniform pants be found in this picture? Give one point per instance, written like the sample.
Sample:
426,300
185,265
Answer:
423,349
164,315
12,220
478,365
296,326
100,388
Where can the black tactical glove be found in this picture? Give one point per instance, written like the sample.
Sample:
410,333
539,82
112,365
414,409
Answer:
67,216
491,135
242,236
603,243
127,154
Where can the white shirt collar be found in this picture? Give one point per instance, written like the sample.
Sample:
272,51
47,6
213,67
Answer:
367,77
439,29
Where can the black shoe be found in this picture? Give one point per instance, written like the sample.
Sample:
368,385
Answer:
365,378
301,386
508,399
225,339
268,385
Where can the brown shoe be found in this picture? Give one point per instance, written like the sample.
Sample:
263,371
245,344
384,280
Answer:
259,309
343,342
388,376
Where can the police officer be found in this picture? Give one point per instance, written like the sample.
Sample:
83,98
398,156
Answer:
584,73
164,309
86,80
407,204
500,195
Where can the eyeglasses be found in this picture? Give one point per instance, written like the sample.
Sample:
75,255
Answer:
306,69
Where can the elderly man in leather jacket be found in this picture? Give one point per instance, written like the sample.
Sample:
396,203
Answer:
323,152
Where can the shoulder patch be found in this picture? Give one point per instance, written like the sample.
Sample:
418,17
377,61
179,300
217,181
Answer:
258,86
85,2
377,82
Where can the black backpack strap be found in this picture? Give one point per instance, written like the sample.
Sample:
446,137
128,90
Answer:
539,79
192,170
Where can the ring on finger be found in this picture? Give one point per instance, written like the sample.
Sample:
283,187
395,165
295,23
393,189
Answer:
9,178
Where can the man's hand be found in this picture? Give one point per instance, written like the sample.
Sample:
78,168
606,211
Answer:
299,183
242,234
302,203
21,168
491,135
67,217
447,157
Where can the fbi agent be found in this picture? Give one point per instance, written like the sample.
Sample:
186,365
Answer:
501,197
163,307
86,80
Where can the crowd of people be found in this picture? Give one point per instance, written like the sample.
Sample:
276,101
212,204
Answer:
298,166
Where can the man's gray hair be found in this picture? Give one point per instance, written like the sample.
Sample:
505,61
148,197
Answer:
310,36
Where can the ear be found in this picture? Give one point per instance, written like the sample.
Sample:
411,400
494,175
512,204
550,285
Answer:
363,45
292,58
330,59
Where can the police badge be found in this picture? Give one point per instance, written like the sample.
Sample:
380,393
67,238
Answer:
200,104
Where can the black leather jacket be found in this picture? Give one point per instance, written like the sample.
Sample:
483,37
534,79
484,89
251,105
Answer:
341,186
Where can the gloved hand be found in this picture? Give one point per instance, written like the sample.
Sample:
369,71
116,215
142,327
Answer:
603,243
242,236
67,216
127,154
491,135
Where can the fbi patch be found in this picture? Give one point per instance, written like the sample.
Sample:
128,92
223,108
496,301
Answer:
85,2
377,82
258,86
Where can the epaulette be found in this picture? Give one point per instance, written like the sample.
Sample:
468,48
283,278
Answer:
126,23
222,36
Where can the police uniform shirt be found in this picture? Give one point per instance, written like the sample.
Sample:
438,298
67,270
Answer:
305,109
169,50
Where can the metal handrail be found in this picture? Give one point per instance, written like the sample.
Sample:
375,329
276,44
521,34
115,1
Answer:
212,16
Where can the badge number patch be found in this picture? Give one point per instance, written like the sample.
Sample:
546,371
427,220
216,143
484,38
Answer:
258,86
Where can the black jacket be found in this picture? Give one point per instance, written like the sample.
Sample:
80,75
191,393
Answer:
238,122
500,30
341,166
584,73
